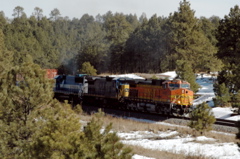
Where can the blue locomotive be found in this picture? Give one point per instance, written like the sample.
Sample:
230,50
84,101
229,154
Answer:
90,89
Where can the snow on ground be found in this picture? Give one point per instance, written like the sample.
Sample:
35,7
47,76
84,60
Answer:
206,83
141,157
222,113
146,134
206,90
194,146
225,113
235,118
172,141
207,94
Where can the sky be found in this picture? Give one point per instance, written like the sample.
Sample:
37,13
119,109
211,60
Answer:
77,8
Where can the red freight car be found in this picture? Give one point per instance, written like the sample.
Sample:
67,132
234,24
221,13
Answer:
51,73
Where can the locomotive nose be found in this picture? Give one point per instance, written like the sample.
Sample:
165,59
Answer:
186,97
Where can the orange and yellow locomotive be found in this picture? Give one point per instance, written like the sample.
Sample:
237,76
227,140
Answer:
161,96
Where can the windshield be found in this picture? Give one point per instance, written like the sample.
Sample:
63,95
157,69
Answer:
174,85
185,86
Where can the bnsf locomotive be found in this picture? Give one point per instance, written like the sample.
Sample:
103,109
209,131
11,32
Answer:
156,96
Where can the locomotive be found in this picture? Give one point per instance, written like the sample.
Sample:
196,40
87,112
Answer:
146,95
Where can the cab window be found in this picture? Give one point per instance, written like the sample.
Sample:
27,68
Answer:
185,86
165,86
171,85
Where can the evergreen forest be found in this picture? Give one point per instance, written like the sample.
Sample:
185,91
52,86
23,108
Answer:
113,42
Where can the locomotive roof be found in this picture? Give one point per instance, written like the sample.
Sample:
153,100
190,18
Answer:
70,79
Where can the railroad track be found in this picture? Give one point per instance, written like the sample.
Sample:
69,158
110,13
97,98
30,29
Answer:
230,123
147,116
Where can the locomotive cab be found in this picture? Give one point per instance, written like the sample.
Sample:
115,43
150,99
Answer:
124,90
180,92
181,97
176,84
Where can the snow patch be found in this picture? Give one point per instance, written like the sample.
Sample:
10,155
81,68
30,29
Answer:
184,145
204,138
133,76
170,74
141,157
146,134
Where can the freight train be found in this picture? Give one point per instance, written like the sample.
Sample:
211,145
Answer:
146,95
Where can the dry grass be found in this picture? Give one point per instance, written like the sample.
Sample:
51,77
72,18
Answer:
161,154
126,125
221,138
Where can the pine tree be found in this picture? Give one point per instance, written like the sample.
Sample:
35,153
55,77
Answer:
3,20
236,101
59,133
146,44
202,118
24,90
185,72
38,13
94,46
135,49
18,12
33,125
55,14
223,96
101,143
87,68
118,30
186,41
229,49
209,26
6,57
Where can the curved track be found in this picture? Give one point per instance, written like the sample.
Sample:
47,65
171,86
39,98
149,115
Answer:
230,123
145,115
